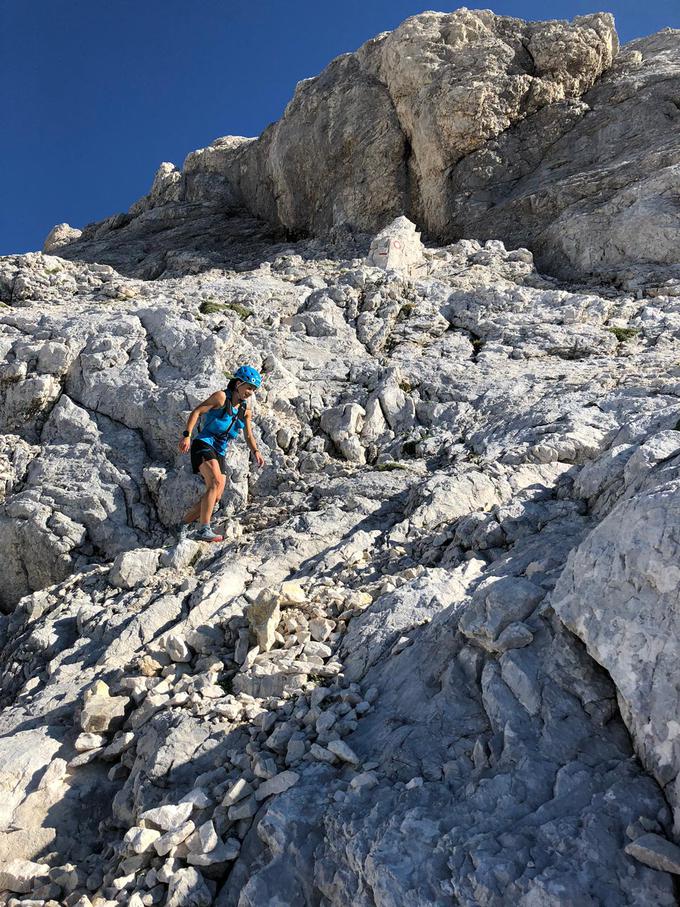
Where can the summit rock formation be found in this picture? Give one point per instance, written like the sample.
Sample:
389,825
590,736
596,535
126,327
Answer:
541,134
434,661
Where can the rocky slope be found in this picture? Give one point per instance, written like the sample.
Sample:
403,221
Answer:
433,663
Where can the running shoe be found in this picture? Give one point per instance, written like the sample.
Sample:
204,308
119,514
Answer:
205,534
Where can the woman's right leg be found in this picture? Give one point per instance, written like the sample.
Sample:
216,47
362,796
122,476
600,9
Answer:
214,480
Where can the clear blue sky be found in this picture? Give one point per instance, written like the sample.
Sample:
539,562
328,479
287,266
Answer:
96,93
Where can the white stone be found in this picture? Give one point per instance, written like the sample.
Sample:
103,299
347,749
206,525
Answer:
292,593
238,790
264,615
322,754
170,839
223,853
132,568
364,781
84,742
21,875
321,628
177,648
204,839
168,817
398,247
60,235
141,839
198,798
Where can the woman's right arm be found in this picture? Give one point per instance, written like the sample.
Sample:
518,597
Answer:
214,401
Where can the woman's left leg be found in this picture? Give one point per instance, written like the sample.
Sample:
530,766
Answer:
192,515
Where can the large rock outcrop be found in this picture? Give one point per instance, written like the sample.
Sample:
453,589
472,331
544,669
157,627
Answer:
620,592
472,125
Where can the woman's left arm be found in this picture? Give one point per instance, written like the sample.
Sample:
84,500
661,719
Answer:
250,439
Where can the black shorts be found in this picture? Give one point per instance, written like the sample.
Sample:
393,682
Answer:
201,451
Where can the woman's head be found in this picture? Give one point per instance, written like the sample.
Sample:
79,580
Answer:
244,390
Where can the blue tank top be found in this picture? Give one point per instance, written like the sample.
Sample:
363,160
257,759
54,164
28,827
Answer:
221,425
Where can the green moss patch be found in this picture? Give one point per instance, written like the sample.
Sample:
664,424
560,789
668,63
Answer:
624,334
211,307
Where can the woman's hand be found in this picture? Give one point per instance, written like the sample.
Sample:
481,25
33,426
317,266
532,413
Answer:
259,459
184,444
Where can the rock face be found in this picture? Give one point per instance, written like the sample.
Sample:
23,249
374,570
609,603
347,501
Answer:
373,686
61,235
541,134
434,660
590,196
620,592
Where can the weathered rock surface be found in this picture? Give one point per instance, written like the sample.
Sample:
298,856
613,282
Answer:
286,695
434,661
656,852
620,592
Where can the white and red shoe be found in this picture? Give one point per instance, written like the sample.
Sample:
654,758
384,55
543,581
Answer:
205,534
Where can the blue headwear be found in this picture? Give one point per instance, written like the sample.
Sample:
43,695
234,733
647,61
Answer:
248,374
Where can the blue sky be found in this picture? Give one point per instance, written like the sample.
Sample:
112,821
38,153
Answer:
96,94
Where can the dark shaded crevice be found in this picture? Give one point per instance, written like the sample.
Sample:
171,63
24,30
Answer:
477,345
528,66
408,190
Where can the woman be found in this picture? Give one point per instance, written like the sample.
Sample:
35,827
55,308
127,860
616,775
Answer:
227,413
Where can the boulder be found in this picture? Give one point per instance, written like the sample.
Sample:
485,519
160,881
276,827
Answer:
398,247
132,568
264,615
187,888
21,875
102,713
60,235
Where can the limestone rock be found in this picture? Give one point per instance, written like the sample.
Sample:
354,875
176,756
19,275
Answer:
177,648
187,888
181,556
224,852
340,749
236,792
21,875
343,424
398,246
657,852
204,839
617,585
170,839
60,235
470,470
168,817
141,839
86,742
292,593
102,713
276,785
264,615
134,567
444,169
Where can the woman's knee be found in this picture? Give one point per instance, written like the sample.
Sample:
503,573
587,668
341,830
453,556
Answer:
212,481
